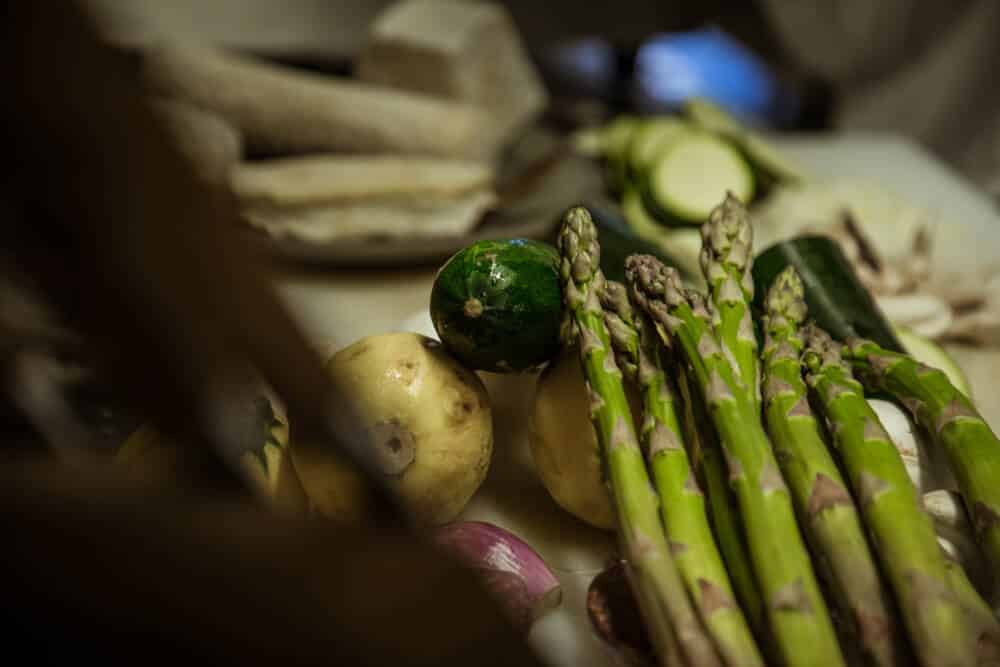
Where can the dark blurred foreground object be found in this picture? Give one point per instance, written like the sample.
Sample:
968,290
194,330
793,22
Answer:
136,254
192,581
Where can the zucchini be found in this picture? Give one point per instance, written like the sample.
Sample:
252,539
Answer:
649,140
619,239
497,305
617,138
691,177
769,164
712,118
682,244
928,352
836,298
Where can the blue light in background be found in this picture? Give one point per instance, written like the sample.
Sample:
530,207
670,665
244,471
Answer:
589,62
671,68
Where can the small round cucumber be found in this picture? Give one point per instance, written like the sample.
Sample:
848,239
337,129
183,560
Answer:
928,352
692,176
497,305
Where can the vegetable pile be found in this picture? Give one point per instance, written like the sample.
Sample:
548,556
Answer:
762,511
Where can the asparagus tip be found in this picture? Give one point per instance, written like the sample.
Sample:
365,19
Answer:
786,297
577,243
649,277
821,349
727,239
614,298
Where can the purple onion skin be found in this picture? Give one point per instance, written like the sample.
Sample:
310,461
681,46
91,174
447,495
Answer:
512,571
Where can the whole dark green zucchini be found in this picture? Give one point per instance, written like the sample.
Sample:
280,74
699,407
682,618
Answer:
836,298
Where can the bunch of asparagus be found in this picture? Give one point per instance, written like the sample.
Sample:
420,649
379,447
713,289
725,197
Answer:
760,485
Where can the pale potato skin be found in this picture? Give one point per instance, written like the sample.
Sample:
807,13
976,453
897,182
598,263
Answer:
564,445
405,384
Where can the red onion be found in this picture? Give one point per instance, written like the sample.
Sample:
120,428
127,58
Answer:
510,569
615,617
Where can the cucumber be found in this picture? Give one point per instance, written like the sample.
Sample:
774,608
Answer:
692,176
770,165
497,305
928,352
836,298
649,140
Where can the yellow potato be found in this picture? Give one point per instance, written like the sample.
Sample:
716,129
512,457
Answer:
428,419
564,445
150,457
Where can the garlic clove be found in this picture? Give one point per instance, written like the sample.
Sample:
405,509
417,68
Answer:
955,535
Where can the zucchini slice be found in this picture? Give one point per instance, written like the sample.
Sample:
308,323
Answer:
692,176
619,239
712,118
617,138
928,352
649,140
682,244
769,163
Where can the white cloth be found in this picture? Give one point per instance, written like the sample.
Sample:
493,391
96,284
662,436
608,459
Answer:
924,68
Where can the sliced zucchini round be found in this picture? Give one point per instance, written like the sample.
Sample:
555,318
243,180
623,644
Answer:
769,163
692,176
712,117
681,244
928,352
616,142
649,140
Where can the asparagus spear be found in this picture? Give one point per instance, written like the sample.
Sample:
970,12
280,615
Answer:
977,613
640,532
706,453
952,420
726,255
828,514
902,534
682,503
797,613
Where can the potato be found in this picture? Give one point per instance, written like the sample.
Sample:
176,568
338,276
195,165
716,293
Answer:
429,420
564,445
150,457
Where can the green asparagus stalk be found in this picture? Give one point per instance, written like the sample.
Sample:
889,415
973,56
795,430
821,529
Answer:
726,256
826,511
972,448
644,544
682,503
797,613
978,615
902,534
707,454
